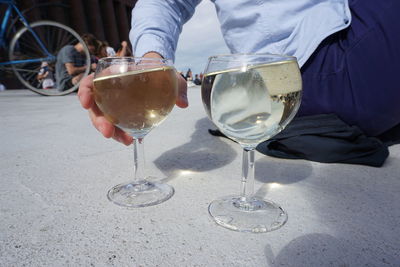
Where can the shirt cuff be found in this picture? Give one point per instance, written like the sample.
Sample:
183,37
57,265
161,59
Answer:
153,43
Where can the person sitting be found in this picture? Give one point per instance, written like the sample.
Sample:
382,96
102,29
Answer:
104,50
46,76
124,50
197,80
347,51
70,65
189,76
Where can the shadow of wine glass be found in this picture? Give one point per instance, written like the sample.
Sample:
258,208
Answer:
274,172
313,250
202,153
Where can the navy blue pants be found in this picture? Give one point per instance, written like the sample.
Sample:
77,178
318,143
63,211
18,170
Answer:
355,73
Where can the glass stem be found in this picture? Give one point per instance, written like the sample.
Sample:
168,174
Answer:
138,160
247,185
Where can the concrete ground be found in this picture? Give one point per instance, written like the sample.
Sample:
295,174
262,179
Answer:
55,170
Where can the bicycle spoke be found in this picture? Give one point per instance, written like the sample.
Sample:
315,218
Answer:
28,44
64,36
25,70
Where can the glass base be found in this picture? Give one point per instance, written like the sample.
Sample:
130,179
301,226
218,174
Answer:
253,214
140,194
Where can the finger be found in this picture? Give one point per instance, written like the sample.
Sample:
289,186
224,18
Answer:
107,128
122,137
85,93
181,100
101,123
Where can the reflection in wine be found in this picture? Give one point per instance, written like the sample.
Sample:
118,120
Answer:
251,105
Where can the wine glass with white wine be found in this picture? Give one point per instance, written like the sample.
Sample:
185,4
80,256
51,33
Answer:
136,95
250,98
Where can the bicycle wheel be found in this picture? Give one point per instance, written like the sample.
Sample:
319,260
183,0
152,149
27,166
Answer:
53,36
45,11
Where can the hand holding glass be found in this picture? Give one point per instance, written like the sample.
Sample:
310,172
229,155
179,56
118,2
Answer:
250,98
136,95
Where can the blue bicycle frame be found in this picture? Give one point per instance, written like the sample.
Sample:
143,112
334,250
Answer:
11,7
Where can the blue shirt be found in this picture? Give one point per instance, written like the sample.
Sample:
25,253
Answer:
290,27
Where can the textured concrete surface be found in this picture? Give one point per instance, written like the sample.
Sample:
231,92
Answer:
55,170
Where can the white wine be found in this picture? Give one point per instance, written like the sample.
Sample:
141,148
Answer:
137,101
253,103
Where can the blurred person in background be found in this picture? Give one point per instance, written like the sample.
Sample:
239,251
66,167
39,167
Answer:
46,76
124,50
70,65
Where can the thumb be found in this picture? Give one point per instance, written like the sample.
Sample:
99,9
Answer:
181,100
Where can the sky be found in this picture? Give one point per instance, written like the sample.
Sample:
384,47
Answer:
200,38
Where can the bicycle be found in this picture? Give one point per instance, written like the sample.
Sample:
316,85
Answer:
34,44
